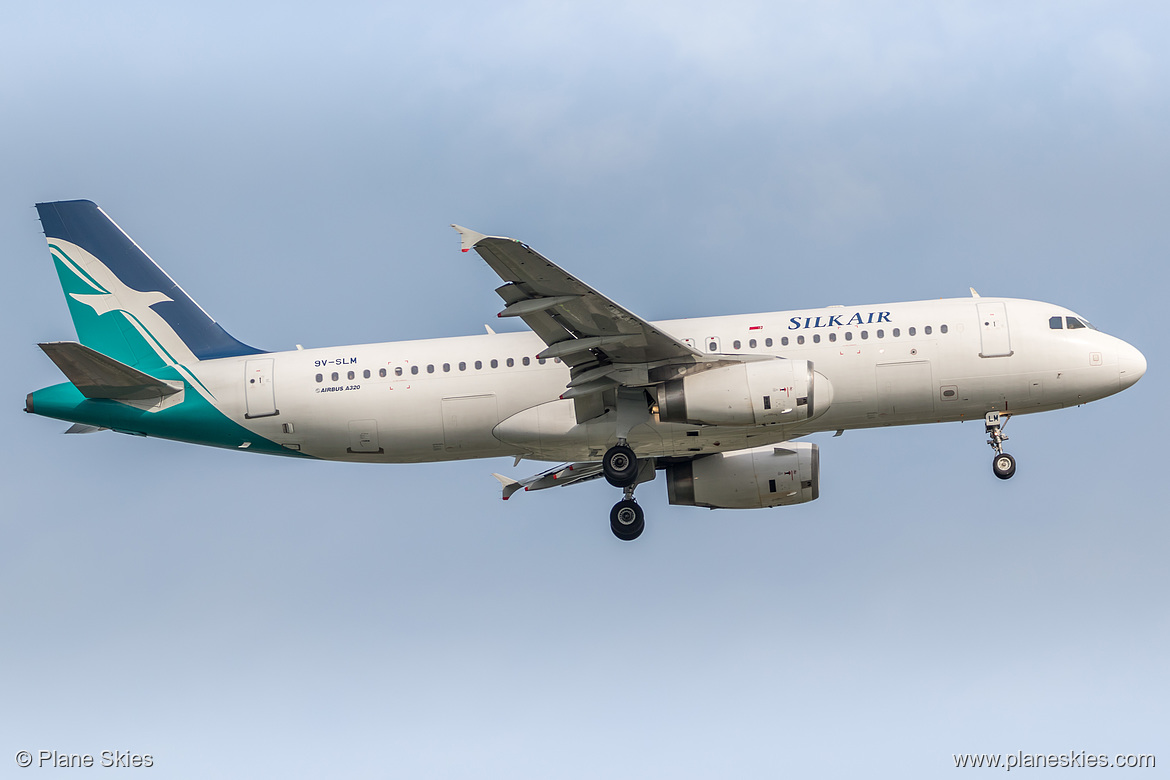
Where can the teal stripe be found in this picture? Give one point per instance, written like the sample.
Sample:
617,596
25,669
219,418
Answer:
76,268
197,379
195,420
146,330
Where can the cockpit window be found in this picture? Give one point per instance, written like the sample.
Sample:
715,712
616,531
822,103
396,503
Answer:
1073,322
1056,323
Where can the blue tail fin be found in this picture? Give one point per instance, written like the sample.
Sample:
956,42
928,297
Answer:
122,304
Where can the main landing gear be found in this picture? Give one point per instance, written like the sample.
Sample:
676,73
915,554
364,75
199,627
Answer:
1002,464
621,466
626,519
621,469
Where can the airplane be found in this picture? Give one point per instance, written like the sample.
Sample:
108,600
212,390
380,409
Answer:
718,404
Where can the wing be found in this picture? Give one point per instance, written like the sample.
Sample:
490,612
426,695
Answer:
603,343
557,476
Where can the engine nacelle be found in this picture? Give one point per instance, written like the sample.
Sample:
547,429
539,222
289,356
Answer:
776,475
759,392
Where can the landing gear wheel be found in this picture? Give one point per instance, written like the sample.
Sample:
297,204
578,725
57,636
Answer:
1003,465
620,466
626,520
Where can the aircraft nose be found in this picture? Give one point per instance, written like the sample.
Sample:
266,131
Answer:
1131,365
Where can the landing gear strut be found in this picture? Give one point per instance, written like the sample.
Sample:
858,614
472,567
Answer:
1002,464
621,469
621,466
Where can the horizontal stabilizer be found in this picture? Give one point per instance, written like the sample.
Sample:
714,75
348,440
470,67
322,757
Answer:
100,377
83,428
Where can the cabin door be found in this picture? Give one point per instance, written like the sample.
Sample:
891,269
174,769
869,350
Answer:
258,391
993,330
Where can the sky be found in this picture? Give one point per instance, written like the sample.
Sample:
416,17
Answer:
295,167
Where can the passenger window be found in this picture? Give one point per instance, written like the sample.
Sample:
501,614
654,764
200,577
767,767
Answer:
1056,323
430,368
881,334
478,365
913,332
462,366
320,378
495,363
526,361
366,374
334,376
849,335
556,360
864,335
1073,322
897,333
832,337
735,344
510,362
349,375
414,369
800,339
784,342
942,328
926,330
446,368
398,371
816,338
752,343
541,360
382,371
767,342
712,346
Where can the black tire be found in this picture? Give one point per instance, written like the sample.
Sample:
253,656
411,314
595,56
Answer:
627,520
1004,466
620,466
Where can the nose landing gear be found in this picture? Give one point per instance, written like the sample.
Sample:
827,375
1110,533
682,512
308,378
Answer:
1003,465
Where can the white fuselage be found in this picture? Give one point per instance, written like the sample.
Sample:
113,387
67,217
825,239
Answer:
488,395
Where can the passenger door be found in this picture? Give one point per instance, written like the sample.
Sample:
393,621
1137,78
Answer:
993,330
259,395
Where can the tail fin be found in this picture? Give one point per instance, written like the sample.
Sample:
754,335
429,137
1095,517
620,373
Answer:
122,304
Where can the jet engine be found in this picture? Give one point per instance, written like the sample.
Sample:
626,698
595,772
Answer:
759,392
776,475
